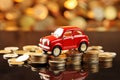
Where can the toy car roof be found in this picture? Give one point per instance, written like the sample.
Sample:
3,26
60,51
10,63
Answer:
70,28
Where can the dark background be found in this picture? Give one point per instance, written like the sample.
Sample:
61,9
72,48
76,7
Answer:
109,40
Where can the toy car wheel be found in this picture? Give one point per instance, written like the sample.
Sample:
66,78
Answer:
83,47
56,51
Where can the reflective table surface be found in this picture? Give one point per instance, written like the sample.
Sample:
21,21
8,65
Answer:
102,71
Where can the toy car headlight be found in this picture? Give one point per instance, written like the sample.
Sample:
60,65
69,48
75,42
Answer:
48,42
40,40
45,42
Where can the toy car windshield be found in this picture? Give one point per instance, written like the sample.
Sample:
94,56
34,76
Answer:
58,32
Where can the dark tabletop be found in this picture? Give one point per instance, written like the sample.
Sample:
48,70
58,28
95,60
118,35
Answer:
109,40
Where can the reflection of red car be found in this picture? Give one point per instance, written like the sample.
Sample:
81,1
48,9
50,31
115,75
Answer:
66,75
64,38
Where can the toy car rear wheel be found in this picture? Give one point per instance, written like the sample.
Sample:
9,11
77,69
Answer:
83,47
56,51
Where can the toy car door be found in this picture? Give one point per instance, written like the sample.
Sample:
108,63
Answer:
68,40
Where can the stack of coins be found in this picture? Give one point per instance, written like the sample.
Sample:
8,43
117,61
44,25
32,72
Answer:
106,59
107,56
74,57
37,58
58,62
91,56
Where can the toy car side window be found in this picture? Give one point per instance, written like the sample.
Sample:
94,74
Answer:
67,34
77,32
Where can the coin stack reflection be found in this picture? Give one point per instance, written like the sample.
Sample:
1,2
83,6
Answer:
57,62
106,59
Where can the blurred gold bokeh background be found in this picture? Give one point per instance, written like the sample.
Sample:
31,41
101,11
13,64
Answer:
37,15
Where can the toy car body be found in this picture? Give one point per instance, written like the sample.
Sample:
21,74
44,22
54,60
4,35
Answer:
65,38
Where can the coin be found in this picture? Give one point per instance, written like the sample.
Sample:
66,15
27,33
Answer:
80,22
12,14
69,15
40,12
8,56
20,52
70,4
4,52
22,58
6,5
112,10
13,62
11,48
30,48
95,48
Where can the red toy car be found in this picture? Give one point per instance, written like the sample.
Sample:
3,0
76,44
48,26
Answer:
64,38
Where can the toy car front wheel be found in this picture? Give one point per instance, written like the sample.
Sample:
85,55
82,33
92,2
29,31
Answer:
56,51
83,47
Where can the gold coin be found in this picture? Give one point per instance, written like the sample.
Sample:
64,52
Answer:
105,54
6,5
7,56
95,48
4,52
30,48
14,62
70,4
11,48
20,52
110,12
40,12
54,9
